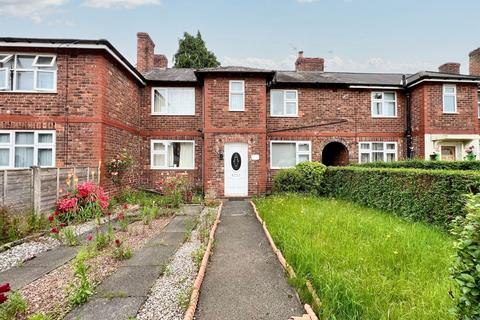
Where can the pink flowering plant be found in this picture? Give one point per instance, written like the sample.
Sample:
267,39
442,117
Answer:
470,154
84,201
120,164
177,189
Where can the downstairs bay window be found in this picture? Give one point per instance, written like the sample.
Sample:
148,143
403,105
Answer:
287,154
377,151
23,149
169,154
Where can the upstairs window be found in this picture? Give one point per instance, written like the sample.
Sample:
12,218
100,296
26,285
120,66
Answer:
23,149
384,104
28,73
236,95
286,154
283,103
377,151
173,101
168,154
449,98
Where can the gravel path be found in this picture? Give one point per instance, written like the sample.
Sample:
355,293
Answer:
25,251
170,295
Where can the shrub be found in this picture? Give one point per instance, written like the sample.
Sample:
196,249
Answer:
305,177
424,164
433,196
12,305
119,165
178,189
466,267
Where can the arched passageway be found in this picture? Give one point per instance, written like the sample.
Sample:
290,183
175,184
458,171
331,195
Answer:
335,154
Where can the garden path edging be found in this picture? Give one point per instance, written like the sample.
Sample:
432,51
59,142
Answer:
308,309
190,313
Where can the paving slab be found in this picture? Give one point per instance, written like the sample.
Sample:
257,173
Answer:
20,276
244,279
130,284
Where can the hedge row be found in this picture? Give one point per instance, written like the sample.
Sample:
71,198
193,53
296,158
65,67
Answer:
423,164
433,196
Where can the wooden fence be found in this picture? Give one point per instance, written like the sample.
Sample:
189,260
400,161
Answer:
40,188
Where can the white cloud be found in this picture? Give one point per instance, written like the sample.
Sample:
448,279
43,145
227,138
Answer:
118,3
307,1
33,9
333,64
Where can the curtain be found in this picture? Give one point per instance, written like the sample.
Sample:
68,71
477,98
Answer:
283,155
45,157
159,103
24,138
186,155
181,101
277,102
4,157
170,156
236,101
23,157
45,80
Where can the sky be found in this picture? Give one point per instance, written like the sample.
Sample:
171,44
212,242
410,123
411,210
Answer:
351,35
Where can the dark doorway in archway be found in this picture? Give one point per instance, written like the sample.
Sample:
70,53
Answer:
335,154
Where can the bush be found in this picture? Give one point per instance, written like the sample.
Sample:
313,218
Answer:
466,267
306,177
423,164
433,196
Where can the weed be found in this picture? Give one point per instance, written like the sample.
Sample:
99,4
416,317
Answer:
39,316
184,299
14,306
80,294
121,252
197,256
86,252
69,237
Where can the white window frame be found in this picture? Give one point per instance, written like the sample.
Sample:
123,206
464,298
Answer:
36,145
159,113
369,151
165,144
454,94
35,69
373,101
6,78
285,100
478,104
51,64
230,92
298,153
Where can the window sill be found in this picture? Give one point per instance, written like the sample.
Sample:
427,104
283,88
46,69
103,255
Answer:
170,114
29,92
450,112
236,110
174,169
284,116
384,117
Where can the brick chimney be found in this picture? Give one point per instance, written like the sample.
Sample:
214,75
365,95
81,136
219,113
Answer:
145,52
450,67
160,61
308,64
474,66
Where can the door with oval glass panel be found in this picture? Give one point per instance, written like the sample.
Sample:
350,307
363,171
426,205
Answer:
448,153
236,170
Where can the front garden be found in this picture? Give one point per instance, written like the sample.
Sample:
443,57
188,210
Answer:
380,241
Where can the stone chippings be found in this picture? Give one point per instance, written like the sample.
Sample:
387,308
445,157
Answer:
25,251
175,284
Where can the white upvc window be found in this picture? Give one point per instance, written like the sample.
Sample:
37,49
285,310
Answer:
173,101
377,151
449,98
236,96
284,103
384,104
24,72
26,148
287,154
478,104
172,154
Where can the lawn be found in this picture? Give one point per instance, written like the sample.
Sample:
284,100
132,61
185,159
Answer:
364,263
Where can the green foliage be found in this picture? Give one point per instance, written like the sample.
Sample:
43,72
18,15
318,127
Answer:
433,196
305,177
79,294
193,53
86,252
119,165
102,239
69,237
16,225
197,256
424,164
363,263
89,211
466,267
39,316
121,251
15,305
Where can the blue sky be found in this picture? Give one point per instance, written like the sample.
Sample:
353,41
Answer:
352,35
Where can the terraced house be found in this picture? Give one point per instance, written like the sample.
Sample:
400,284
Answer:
79,102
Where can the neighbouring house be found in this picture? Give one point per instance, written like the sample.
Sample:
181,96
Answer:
66,102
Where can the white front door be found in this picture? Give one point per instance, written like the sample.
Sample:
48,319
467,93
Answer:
236,169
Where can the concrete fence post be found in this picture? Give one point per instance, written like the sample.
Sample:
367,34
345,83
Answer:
37,189
5,179
58,184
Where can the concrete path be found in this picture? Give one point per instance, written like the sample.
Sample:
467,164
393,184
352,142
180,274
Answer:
122,294
244,279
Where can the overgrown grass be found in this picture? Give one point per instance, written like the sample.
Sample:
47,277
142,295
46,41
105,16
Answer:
16,225
364,264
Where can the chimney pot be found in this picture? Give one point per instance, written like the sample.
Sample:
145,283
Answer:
300,54
450,67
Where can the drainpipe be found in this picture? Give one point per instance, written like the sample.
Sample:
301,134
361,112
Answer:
408,131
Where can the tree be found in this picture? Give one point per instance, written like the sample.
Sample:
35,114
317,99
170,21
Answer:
193,53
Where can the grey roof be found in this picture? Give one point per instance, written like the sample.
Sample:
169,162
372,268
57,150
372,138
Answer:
171,74
234,69
412,79
318,77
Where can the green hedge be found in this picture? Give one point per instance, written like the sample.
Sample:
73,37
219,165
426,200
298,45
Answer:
433,196
423,164
306,177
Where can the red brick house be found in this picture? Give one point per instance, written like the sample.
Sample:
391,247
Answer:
79,102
